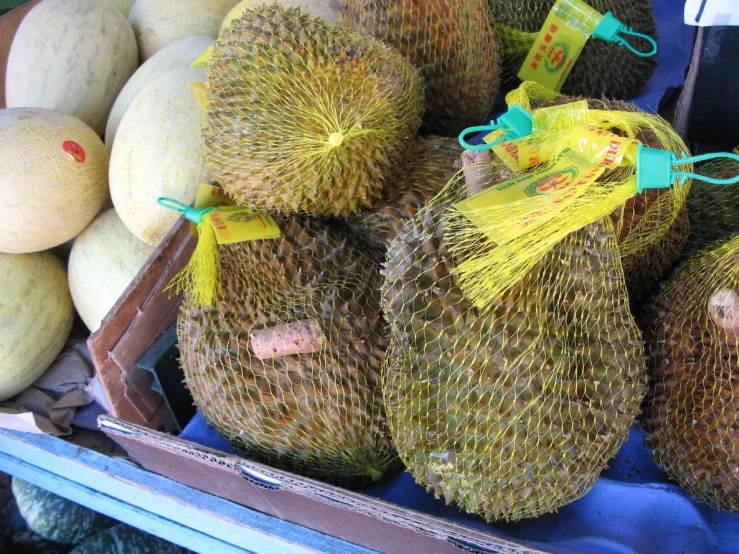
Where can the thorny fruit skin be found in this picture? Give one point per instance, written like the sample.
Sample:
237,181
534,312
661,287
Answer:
318,414
307,117
431,164
692,410
513,414
452,42
603,68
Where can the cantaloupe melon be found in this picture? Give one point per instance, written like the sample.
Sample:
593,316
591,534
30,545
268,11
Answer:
36,315
73,56
158,151
53,178
179,54
123,6
104,260
327,9
157,23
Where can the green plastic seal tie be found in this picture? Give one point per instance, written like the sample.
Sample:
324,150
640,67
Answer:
192,214
608,29
654,168
515,123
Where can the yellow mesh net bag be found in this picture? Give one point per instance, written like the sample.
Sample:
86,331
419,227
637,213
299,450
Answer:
603,68
285,363
511,411
303,116
693,404
649,227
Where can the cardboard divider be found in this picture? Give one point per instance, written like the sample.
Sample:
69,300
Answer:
142,314
347,515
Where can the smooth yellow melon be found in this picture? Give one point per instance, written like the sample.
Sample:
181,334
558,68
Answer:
326,9
158,151
123,6
104,260
177,55
36,315
53,178
73,56
157,23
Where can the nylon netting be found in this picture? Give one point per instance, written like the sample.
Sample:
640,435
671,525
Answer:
603,68
432,162
306,117
286,364
693,404
454,44
512,411
644,223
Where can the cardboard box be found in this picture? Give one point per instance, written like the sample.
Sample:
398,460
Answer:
136,321
347,515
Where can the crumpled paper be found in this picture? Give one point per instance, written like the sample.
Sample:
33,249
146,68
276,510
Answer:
49,404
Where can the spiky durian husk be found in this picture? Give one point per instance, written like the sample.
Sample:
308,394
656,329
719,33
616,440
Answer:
432,162
319,414
453,43
713,210
512,414
692,409
603,68
304,116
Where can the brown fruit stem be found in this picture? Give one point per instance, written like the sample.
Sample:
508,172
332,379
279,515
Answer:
286,339
477,170
723,307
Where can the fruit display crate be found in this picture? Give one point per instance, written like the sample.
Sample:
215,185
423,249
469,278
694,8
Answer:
190,488
120,489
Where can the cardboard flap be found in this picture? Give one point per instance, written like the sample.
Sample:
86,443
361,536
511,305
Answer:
141,315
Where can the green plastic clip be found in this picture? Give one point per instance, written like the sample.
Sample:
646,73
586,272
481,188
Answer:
608,29
192,214
516,123
654,168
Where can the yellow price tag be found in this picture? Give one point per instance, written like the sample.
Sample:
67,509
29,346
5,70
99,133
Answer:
559,43
234,224
210,196
517,206
603,148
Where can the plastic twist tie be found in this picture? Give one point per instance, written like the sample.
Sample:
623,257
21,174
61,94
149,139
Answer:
608,29
654,168
192,214
515,123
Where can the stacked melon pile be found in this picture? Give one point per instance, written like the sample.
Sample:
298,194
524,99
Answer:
342,128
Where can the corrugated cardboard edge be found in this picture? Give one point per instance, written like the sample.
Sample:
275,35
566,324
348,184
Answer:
337,512
9,24
141,315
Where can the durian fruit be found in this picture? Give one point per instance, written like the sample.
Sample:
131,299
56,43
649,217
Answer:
514,413
645,263
432,162
713,210
603,68
318,412
692,410
307,117
454,44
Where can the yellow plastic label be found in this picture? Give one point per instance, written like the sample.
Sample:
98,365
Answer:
210,196
204,58
559,43
530,200
602,147
234,224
